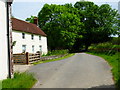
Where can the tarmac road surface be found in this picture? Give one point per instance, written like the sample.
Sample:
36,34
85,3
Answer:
79,71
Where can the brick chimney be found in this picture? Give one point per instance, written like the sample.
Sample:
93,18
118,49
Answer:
36,21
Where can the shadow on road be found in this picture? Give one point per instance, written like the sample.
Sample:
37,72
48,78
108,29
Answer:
102,87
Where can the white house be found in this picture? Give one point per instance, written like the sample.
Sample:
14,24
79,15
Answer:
5,39
28,37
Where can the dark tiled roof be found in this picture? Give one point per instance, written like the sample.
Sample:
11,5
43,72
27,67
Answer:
19,25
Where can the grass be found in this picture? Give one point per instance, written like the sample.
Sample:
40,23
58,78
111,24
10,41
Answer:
0,85
113,61
69,55
20,80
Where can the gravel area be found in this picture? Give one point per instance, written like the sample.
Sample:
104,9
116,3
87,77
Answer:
21,68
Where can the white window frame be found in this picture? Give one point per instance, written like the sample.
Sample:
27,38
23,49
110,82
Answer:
33,48
23,48
40,48
39,37
32,37
23,35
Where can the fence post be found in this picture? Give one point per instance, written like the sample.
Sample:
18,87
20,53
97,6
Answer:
27,58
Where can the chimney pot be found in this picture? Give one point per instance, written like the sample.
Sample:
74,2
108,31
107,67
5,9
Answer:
36,21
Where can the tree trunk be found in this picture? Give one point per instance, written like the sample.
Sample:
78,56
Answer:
52,48
86,47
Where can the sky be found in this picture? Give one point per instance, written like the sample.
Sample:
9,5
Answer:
23,9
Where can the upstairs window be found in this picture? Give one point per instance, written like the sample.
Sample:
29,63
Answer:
39,37
23,35
32,37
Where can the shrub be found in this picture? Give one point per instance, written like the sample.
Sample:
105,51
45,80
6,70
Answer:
57,52
107,48
115,41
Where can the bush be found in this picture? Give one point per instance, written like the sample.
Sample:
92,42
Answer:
57,52
107,48
115,41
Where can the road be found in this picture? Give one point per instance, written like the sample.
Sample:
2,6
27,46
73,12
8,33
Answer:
79,71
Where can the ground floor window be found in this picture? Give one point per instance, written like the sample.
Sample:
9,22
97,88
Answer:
33,48
23,48
40,48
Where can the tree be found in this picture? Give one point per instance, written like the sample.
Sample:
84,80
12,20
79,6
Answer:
118,26
61,25
98,22
31,19
72,27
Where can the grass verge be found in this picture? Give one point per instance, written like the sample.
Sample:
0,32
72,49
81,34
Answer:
56,52
69,55
114,62
0,85
20,80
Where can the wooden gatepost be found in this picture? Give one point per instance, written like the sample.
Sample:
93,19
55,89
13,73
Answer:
26,58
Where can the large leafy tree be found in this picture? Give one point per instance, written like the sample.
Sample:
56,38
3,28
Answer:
118,26
30,19
80,25
61,24
98,22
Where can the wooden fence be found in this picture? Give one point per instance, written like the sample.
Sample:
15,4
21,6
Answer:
33,57
26,58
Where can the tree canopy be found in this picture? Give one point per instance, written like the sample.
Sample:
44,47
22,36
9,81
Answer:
61,24
99,22
73,26
31,19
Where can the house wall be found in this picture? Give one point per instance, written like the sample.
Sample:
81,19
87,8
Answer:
3,41
17,36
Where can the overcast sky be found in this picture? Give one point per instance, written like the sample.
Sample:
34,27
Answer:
22,9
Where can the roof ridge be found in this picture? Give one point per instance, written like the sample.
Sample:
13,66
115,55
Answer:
27,22
23,26
22,20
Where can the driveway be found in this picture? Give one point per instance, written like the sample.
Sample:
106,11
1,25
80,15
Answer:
79,71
